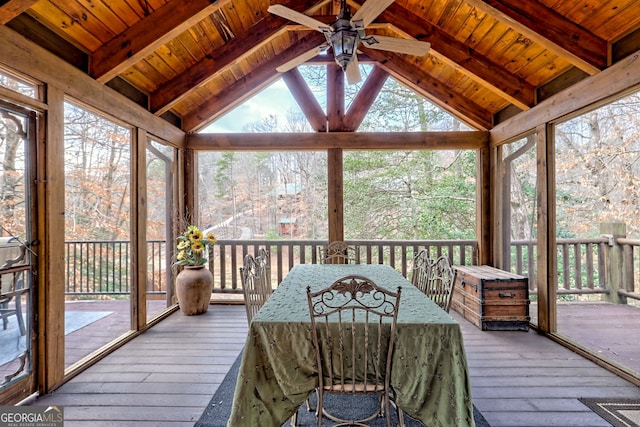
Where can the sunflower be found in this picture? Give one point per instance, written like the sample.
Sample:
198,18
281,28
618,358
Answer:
193,247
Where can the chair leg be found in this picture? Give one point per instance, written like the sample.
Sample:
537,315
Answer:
399,412
400,416
19,316
4,308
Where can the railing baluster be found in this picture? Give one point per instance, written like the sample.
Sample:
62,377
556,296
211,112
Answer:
104,267
577,254
589,258
565,267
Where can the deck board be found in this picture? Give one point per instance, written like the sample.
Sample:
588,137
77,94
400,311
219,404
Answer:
167,375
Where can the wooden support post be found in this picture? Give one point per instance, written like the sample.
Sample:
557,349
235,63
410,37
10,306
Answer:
189,213
335,98
614,261
483,207
139,231
51,288
547,263
336,194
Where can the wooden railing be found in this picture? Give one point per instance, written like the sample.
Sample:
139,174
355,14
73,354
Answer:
580,264
104,267
227,256
630,269
583,266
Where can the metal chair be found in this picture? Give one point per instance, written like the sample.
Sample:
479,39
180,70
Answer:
337,252
353,325
256,283
420,271
441,281
435,278
12,290
12,283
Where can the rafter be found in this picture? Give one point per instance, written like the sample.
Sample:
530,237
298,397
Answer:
243,45
305,99
244,88
455,53
431,88
566,39
147,35
11,9
364,98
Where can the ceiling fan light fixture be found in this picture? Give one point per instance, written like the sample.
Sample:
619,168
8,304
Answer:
344,44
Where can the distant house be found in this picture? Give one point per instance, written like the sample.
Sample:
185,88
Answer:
288,225
288,191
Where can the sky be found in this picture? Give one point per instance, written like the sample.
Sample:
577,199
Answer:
275,99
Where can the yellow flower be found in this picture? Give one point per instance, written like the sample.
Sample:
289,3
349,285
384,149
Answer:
197,247
192,247
195,235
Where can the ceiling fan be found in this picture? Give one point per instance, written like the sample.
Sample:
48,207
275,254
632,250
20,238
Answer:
345,35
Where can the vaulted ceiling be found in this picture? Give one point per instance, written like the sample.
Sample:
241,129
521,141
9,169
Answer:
190,62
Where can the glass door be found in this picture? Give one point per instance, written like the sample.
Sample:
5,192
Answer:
160,189
97,232
17,259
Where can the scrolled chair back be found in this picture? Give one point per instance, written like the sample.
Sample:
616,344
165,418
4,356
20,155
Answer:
440,282
421,269
353,326
338,252
256,283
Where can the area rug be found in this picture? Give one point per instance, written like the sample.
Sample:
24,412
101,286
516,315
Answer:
12,344
219,408
618,412
75,320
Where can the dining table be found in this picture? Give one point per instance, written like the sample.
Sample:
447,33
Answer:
429,371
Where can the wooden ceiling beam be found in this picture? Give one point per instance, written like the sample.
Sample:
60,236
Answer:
244,88
420,81
455,53
11,9
617,79
241,46
463,140
305,100
365,98
147,35
553,31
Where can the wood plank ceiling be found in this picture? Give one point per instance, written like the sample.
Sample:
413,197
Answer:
192,61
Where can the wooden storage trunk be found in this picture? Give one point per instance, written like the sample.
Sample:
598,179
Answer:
491,299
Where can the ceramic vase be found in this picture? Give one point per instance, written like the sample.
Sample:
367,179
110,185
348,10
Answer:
193,289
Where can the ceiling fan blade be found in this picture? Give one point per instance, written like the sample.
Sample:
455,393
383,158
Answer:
289,65
300,18
369,11
393,44
353,71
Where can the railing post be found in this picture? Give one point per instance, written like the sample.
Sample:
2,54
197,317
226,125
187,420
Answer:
614,260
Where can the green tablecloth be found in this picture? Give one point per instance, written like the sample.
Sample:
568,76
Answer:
429,367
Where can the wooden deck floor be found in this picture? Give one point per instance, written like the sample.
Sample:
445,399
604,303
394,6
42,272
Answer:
166,376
